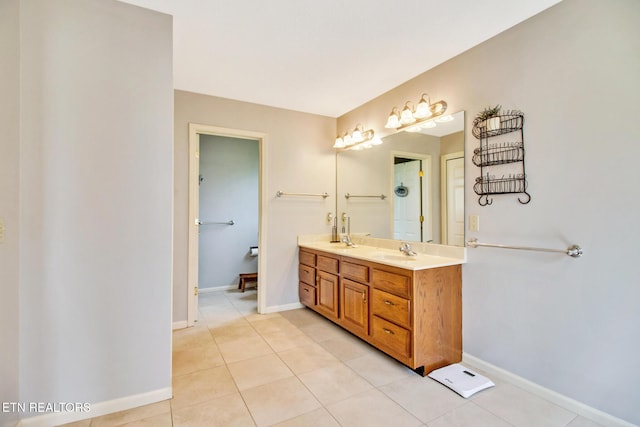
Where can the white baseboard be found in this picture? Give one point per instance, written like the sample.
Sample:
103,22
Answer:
596,415
286,307
216,289
181,324
98,409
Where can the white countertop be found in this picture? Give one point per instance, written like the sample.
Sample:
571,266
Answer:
379,251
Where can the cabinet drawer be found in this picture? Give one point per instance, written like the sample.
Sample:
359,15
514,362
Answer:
394,283
307,258
307,294
353,271
392,337
391,307
307,274
325,263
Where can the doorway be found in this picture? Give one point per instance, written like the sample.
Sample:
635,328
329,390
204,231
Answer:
197,224
412,206
228,211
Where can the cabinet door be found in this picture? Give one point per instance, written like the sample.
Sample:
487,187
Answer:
327,294
355,306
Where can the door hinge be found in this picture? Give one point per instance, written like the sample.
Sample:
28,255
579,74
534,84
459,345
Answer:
195,290
421,218
421,173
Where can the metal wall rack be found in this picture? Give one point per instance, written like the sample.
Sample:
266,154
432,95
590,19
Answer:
490,157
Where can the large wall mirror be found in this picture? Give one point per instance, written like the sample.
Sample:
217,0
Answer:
409,188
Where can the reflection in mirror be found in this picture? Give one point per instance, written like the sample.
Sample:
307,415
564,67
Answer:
421,176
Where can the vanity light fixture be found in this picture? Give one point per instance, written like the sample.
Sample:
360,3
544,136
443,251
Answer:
410,115
357,140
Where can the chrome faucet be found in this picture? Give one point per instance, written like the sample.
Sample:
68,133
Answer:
346,239
405,248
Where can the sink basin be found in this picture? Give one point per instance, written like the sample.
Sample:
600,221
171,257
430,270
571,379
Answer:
392,257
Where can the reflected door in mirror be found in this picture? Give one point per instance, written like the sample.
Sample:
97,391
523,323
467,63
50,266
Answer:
453,199
408,201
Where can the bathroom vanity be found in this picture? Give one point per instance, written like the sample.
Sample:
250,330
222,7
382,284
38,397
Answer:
410,307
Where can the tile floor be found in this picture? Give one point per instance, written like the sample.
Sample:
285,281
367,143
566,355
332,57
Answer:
295,368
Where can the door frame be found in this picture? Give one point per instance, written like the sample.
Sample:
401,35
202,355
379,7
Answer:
195,130
427,190
444,200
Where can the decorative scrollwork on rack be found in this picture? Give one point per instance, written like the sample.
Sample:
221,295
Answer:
511,184
510,121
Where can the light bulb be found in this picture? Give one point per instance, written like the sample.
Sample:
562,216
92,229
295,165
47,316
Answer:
393,122
423,109
356,136
406,117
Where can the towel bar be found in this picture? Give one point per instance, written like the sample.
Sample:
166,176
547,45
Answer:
574,251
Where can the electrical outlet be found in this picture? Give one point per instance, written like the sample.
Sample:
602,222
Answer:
474,223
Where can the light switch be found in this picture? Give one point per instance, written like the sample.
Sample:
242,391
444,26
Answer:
474,223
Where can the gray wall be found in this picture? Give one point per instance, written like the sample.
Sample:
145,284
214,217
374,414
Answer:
95,201
9,172
228,191
570,325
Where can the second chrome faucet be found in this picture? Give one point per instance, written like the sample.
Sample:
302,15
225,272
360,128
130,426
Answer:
405,248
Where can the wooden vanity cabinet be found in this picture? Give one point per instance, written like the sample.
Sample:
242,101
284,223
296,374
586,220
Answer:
414,316
307,278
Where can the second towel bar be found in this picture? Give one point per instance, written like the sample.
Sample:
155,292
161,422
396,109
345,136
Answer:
381,196
230,222
282,193
574,251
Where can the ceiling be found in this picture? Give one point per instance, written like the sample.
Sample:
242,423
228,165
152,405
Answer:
324,57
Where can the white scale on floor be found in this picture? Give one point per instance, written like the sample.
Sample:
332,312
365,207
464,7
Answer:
460,379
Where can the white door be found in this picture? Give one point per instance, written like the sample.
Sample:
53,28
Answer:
407,204
453,186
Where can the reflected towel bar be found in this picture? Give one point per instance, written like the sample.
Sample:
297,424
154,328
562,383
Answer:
230,222
282,193
381,196
574,251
